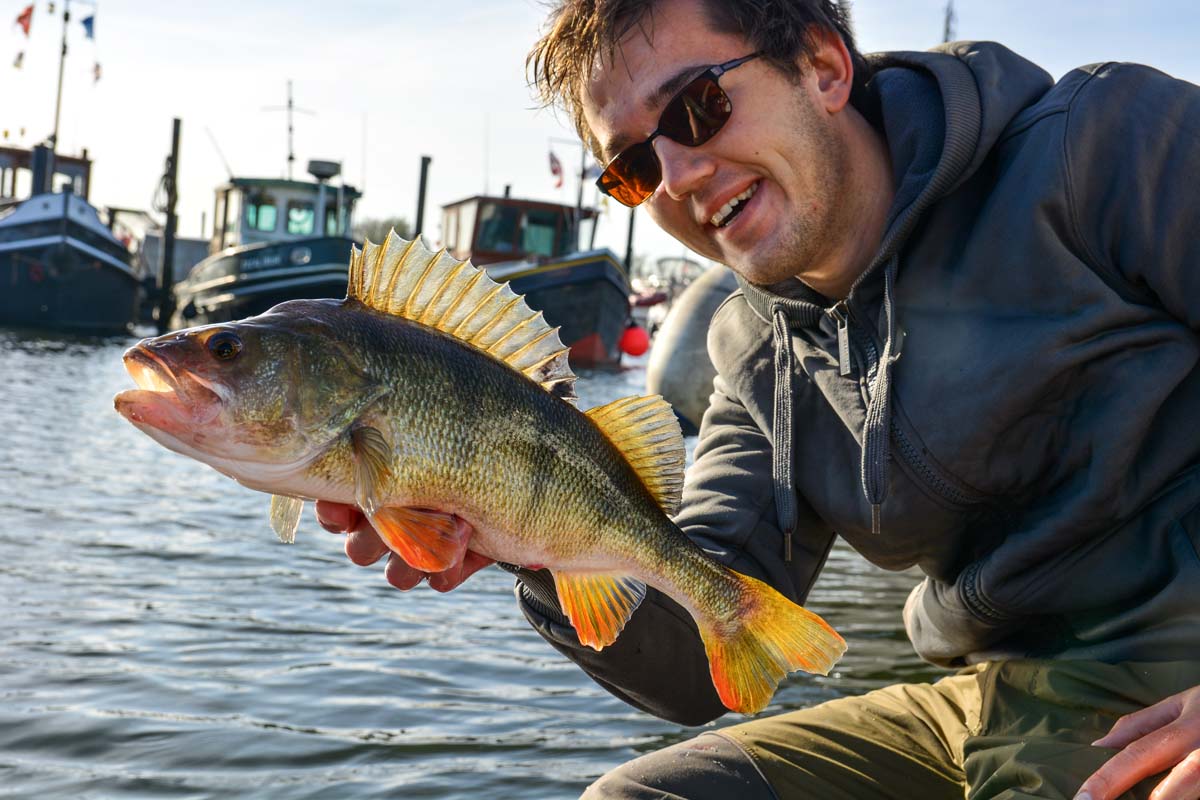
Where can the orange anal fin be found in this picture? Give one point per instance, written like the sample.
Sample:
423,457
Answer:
771,637
598,605
431,541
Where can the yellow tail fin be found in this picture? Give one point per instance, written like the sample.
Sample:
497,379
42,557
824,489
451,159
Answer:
771,637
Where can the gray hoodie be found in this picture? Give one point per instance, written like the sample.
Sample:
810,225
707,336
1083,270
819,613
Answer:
1009,397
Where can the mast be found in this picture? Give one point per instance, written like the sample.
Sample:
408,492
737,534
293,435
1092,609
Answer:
62,61
948,32
290,108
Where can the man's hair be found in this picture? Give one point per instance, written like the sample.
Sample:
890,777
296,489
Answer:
581,31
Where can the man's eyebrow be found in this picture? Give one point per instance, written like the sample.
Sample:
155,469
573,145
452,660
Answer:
665,91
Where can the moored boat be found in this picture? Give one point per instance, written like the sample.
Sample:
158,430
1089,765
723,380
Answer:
61,268
531,245
273,240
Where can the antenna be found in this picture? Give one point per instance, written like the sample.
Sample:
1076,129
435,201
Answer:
217,147
290,108
948,32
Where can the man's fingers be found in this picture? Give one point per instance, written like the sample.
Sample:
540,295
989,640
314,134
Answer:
364,546
1183,783
337,517
452,578
1140,759
401,575
1132,727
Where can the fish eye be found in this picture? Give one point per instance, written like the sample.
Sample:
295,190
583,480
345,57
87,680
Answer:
225,345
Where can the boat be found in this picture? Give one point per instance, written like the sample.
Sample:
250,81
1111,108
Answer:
61,267
274,239
531,245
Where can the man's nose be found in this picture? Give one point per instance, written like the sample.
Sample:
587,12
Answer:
684,169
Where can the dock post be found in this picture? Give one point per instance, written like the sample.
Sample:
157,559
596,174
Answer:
420,223
166,270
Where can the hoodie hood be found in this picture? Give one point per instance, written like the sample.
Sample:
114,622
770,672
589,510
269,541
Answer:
941,113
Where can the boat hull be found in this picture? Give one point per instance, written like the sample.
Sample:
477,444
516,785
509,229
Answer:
244,281
65,284
587,297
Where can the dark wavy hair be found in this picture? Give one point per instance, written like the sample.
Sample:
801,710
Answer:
579,31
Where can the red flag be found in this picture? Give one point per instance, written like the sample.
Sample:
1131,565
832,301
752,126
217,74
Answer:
25,19
556,170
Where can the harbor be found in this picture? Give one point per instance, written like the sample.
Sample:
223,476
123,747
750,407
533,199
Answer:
160,639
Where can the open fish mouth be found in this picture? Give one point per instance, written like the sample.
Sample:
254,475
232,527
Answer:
165,397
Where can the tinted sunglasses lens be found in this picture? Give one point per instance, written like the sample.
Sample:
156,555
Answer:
696,113
632,176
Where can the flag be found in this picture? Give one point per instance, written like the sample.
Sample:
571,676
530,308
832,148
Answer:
593,171
89,26
25,19
556,170
19,60
96,73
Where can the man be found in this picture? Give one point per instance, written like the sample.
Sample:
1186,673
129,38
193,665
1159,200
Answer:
966,339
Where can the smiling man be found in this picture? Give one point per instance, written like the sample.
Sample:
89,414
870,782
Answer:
966,339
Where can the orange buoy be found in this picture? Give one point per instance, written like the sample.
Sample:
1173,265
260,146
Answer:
635,341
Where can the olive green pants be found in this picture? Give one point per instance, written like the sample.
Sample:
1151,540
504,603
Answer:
1011,730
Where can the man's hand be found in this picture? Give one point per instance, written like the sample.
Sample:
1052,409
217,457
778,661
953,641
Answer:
1164,736
363,547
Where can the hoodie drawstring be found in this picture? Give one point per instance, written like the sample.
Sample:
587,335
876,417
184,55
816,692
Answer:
877,440
781,465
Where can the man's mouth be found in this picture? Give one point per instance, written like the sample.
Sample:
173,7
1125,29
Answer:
733,207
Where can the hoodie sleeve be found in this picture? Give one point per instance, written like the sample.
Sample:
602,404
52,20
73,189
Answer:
1133,155
658,663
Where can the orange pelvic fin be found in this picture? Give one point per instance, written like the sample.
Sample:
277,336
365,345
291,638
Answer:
430,541
771,636
598,605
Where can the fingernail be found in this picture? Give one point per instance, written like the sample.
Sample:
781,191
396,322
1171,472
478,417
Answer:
1083,796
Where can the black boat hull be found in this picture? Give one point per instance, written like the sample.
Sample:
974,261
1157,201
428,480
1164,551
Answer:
245,281
586,296
60,283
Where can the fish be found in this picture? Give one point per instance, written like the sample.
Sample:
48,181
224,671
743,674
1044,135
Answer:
432,392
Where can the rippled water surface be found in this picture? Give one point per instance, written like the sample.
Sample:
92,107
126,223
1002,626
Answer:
158,642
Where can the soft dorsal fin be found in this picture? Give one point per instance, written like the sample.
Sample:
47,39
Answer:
409,280
647,433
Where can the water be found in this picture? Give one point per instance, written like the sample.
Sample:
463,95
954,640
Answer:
158,641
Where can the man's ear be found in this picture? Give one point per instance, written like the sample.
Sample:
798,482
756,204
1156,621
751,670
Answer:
832,67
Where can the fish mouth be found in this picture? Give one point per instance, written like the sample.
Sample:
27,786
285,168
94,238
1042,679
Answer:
165,398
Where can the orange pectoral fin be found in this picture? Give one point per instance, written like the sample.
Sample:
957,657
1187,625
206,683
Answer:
430,541
598,605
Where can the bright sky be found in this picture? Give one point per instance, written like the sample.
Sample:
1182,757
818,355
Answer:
388,82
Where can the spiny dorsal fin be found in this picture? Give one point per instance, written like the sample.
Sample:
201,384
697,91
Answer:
647,433
437,290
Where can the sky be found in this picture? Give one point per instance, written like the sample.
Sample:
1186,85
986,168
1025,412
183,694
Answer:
383,83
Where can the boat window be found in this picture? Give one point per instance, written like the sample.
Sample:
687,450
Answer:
300,217
261,214
331,221
466,230
538,233
497,227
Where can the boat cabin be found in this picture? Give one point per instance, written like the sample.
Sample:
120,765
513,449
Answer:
491,229
25,173
258,210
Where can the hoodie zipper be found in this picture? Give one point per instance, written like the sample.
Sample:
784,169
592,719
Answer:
904,446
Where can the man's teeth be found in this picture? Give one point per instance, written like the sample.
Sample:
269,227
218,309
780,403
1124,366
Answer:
723,214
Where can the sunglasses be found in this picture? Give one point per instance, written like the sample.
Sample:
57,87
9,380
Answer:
691,118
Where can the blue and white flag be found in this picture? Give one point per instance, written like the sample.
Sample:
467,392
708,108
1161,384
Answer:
89,26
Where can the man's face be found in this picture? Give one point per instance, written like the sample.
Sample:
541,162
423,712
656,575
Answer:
781,146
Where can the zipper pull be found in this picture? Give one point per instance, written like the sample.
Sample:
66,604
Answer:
841,314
